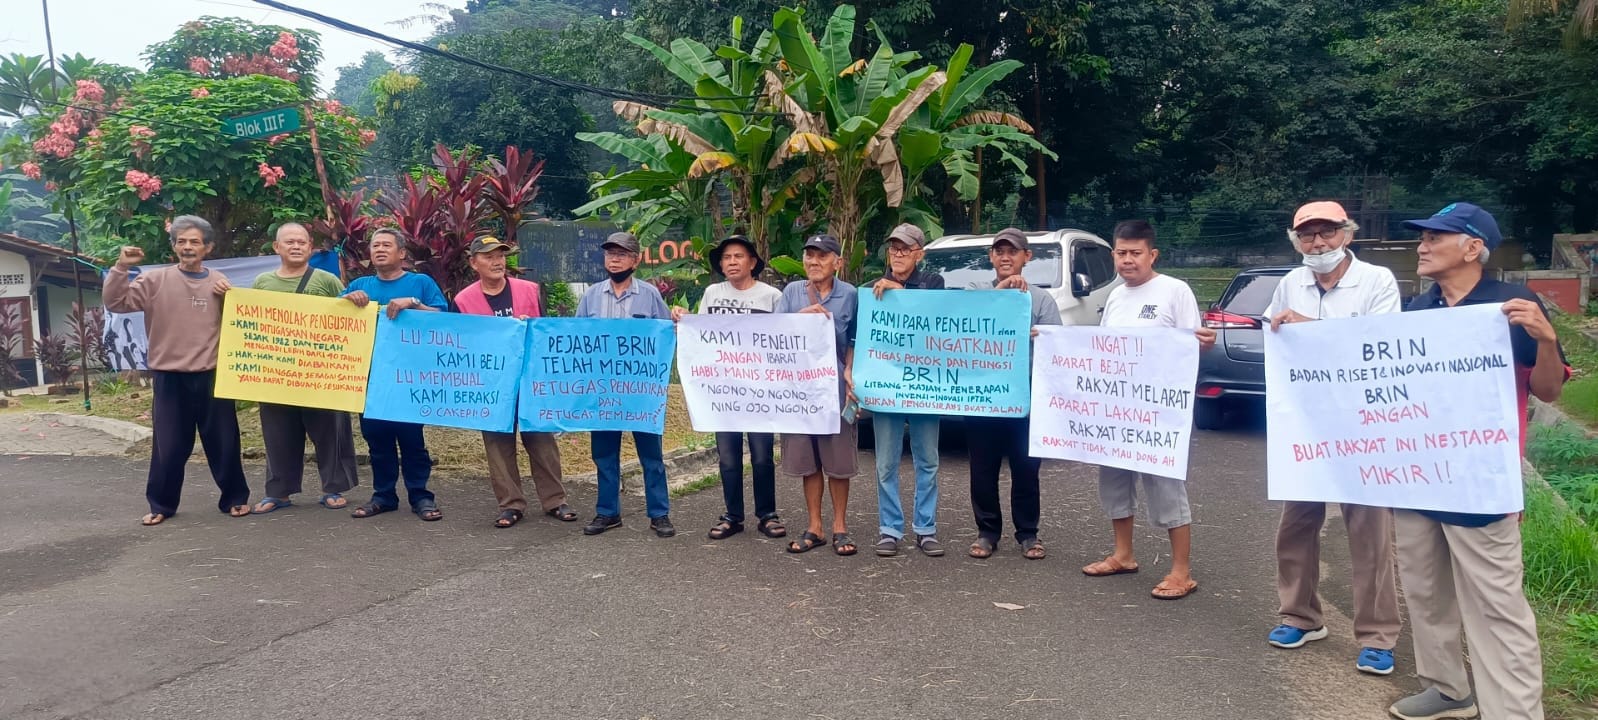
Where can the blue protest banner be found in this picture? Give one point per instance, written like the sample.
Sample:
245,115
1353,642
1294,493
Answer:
944,352
446,369
596,374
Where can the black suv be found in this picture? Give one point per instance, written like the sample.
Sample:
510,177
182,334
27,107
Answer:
1233,370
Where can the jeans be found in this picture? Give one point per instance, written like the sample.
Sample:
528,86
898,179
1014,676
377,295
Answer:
889,430
730,456
606,449
397,447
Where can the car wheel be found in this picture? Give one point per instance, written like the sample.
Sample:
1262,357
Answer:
1209,415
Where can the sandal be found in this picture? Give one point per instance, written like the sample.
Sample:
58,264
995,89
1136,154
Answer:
772,527
982,549
1033,548
152,520
725,529
844,545
428,511
1169,589
370,509
239,511
275,503
507,518
564,513
333,501
806,542
1108,566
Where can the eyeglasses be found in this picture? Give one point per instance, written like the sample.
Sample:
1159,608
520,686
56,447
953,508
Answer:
901,250
1325,233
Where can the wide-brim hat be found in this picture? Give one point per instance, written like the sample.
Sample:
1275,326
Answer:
715,255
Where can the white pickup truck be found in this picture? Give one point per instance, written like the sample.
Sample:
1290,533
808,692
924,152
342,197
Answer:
1075,266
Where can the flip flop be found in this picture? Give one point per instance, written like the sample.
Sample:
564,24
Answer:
152,520
1107,567
328,498
239,511
1174,593
276,503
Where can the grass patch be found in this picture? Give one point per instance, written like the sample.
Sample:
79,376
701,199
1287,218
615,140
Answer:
695,486
1207,283
1561,559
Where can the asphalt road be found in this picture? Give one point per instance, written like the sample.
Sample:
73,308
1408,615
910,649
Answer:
307,613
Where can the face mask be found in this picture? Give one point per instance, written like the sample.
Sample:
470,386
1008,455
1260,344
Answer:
1324,262
622,276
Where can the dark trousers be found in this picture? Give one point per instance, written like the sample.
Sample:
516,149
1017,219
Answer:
395,448
284,428
730,455
184,404
990,441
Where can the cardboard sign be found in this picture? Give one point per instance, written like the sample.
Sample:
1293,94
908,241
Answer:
447,369
944,352
596,374
294,349
760,373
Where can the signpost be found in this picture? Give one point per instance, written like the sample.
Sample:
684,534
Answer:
262,124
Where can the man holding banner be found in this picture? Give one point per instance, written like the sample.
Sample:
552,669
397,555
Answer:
1148,299
905,250
992,440
826,462
1334,284
285,427
737,260
1465,570
395,446
183,314
497,294
623,296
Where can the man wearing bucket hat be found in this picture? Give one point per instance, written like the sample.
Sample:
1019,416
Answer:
1464,571
740,293
1332,283
496,293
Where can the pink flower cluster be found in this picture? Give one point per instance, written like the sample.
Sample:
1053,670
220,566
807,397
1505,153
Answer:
200,65
90,91
55,144
332,106
240,65
139,131
146,184
368,137
286,49
199,93
270,174
51,186
277,139
31,171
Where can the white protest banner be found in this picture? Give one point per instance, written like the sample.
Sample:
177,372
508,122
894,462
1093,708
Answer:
1119,397
1410,410
760,372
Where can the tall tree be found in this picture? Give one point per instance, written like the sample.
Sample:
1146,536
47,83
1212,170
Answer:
354,86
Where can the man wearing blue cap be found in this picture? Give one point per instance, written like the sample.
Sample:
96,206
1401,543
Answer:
1465,570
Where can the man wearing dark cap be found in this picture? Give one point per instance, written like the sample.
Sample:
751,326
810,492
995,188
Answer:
905,250
826,462
623,296
496,293
737,260
1464,570
993,439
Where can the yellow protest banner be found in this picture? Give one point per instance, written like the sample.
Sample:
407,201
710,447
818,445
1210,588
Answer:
295,349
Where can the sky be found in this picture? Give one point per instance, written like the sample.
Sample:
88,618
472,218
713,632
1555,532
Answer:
119,30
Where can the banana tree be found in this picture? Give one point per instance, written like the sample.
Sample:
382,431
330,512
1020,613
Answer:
659,194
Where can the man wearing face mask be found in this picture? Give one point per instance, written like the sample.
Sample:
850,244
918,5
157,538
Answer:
1334,284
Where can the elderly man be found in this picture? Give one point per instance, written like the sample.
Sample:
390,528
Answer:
737,260
1461,570
992,440
1334,284
284,427
624,296
396,447
825,462
183,318
1148,299
905,250
497,294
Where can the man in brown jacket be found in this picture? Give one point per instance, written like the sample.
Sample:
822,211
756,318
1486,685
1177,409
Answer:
182,306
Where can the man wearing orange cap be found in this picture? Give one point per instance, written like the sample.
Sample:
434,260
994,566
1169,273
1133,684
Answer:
1334,284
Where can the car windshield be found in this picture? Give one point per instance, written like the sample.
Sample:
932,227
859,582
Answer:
1249,294
963,267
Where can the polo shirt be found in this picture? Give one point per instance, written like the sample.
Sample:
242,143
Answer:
1364,289
1525,354
842,303
640,300
919,280
409,284
1044,309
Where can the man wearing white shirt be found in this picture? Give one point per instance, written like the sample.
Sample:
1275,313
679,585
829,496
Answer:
1334,284
1148,299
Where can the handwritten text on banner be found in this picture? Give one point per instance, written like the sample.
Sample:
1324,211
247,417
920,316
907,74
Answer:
944,352
1410,410
760,373
596,374
294,349
1119,397
447,369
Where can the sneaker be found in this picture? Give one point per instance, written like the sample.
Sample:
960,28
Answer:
1288,637
929,544
601,523
1375,661
1432,704
888,546
662,526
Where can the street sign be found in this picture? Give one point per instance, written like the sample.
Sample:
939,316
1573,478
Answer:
262,124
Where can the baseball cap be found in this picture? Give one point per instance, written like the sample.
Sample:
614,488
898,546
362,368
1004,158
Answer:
1323,210
624,240
909,235
824,243
715,254
1012,236
486,244
1462,218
